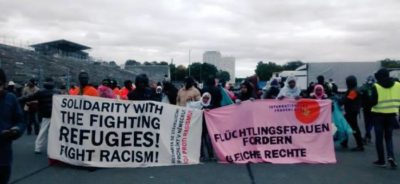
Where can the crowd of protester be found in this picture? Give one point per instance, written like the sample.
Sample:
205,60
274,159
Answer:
31,108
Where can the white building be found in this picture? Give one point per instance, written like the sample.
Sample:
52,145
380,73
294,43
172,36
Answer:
228,64
222,63
212,57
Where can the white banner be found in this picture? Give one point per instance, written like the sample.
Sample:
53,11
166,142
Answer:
100,132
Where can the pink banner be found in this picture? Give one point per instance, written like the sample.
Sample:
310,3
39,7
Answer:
276,131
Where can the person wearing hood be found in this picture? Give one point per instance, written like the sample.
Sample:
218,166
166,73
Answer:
128,87
246,92
352,104
45,102
319,93
290,90
366,93
229,90
73,90
12,127
385,102
211,88
203,103
11,88
170,93
104,90
187,93
142,91
115,89
158,93
273,90
206,149
321,81
310,88
333,87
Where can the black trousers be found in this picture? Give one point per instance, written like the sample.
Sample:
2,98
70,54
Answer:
5,172
32,120
352,120
368,119
207,151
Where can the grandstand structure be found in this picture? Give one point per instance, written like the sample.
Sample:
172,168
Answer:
20,65
63,48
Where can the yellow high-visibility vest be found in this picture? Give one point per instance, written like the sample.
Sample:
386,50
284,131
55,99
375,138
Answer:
388,99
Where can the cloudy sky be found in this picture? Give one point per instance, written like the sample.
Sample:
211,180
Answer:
250,30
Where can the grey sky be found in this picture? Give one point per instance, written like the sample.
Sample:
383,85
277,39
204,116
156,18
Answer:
268,30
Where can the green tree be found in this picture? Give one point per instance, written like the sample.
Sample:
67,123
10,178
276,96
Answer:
224,76
112,63
390,63
163,63
292,65
180,73
131,62
265,70
201,71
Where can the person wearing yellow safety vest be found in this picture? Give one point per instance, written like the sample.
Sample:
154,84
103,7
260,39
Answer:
385,101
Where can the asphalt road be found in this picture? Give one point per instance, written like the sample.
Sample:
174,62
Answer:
352,167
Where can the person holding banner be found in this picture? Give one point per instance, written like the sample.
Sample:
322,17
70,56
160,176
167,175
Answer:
142,91
188,93
170,93
105,90
385,101
290,90
273,90
211,99
319,93
128,87
216,96
12,126
246,92
85,88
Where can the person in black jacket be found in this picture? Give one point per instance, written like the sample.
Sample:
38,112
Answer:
142,91
215,92
366,93
384,122
273,90
45,102
170,91
246,92
216,97
12,126
352,105
327,89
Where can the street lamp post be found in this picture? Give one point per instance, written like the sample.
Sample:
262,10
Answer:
189,60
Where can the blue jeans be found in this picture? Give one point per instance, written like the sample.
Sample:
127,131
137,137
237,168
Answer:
383,126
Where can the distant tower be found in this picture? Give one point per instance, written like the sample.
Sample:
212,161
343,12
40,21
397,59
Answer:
222,63
228,64
212,57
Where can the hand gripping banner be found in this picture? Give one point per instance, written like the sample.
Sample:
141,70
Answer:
99,132
275,131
